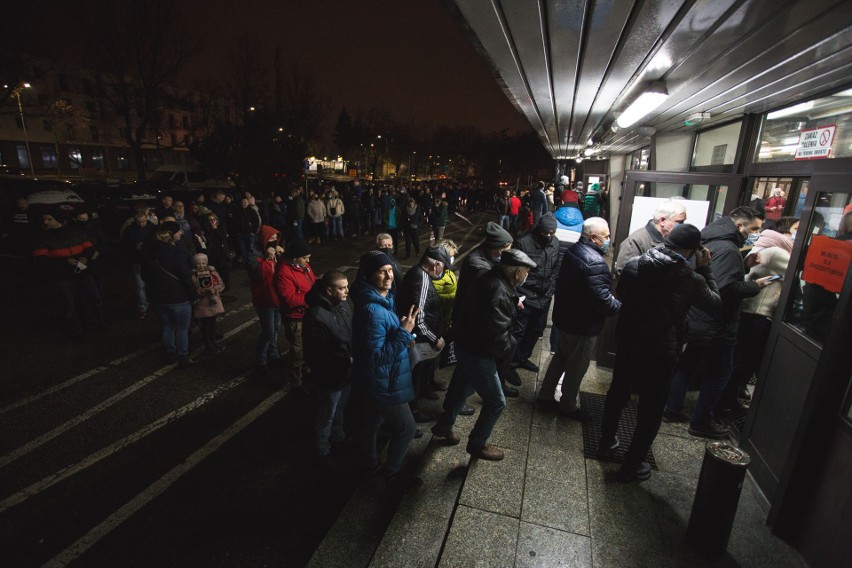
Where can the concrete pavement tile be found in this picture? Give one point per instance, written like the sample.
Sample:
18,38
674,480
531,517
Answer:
480,539
563,506
413,541
496,486
509,433
605,554
679,455
542,546
552,430
624,513
556,464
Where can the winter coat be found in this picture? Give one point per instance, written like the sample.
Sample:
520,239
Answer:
583,298
656,290
134,238
637,244
246,221
335,207
411,221
416,289
327,339
772,261
214,243
538,203
208,304
514,205
541,282
446,287
316,211
475,265
380,344
392,217
167,275
262,272
723,240
483,322
53,247
592,203
439,214
292,284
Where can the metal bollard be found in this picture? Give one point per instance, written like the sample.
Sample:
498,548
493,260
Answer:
717,497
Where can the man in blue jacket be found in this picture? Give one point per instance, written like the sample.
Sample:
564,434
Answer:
583,301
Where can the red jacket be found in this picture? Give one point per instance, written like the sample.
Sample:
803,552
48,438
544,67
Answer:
262,273
514,205
292,284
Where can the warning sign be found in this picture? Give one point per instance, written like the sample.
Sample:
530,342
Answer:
815,143
827,262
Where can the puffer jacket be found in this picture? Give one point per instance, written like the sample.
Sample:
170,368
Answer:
583,291
483,322
380,345
772,261
167,276
261,272
327,339
656,290
541,282
720,328
446,287
416,289
292,284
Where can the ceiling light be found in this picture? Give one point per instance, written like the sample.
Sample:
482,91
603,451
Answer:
650,99
789,111
590,142
588,151
846,93
831,112
790,141
578,159
697,118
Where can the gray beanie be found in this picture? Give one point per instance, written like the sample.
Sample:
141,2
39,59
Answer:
496,236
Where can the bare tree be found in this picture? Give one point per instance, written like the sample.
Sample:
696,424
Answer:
65,121
140,45
302,108
248,72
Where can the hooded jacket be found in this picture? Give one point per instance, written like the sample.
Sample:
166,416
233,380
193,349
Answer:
380,345
656,290
262,272
327,339
53,247
723,240
292,283
583,291
541,282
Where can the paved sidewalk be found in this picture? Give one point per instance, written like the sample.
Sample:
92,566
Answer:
544,505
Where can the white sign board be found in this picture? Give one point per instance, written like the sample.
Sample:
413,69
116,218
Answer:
815,143
644,207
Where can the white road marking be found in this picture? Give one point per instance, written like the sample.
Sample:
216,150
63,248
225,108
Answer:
158,487
117,446
80,418
92,372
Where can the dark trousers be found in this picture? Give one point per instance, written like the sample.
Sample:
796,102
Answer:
748,355
80,302
528,326
715,362
649,374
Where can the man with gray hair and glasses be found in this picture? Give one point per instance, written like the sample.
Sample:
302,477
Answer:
668,215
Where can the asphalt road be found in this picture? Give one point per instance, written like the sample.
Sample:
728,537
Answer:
111,457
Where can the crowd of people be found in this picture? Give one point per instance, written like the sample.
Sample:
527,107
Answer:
377,340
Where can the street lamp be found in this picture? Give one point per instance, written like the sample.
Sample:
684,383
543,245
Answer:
17,94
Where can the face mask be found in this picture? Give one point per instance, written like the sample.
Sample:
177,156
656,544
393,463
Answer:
605,246
752,238
387,251
793,236
452,259
522,282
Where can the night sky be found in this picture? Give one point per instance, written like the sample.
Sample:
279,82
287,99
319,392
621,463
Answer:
411,57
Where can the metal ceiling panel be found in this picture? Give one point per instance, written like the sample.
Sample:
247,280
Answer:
570,65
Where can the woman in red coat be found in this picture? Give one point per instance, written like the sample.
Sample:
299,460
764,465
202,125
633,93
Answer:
293,280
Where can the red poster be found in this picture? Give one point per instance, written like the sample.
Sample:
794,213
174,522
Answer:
827,262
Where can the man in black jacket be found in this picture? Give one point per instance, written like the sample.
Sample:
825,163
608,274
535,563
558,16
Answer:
656,290
583,301
542,246
483,323
327,341
711,336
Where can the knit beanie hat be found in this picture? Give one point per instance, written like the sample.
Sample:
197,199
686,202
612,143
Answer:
546,223
298,249
372,261
686,237
496,236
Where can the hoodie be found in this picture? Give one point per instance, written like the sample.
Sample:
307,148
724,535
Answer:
262,272
327,339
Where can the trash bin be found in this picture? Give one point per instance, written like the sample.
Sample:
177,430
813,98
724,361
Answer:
717,497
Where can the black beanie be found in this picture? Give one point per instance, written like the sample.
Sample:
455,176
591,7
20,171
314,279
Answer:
372,261
298,249
685,237
546,222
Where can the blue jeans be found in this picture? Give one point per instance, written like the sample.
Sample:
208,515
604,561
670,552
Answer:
400,422
330,405
336,228
267,343
80,302
473,373
504,221
175,320
297,229
248,244
141,291
716,363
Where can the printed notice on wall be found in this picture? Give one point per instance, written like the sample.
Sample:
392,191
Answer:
815,143
827,262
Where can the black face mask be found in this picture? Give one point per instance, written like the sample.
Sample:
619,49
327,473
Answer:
388,251
542,239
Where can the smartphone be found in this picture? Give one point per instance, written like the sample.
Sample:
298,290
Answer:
775,277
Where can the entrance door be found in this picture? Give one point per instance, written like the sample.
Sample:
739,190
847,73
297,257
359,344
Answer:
799,428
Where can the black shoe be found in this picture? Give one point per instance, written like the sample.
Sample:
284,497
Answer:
528,365
403,483
712,431
546,405
607,449
576,414
513,378
510,392
467,410
629,473
421,417
674,417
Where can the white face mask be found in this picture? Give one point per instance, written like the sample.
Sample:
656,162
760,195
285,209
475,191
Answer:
452,259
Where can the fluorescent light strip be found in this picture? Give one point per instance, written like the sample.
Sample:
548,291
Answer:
789,111
640,108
